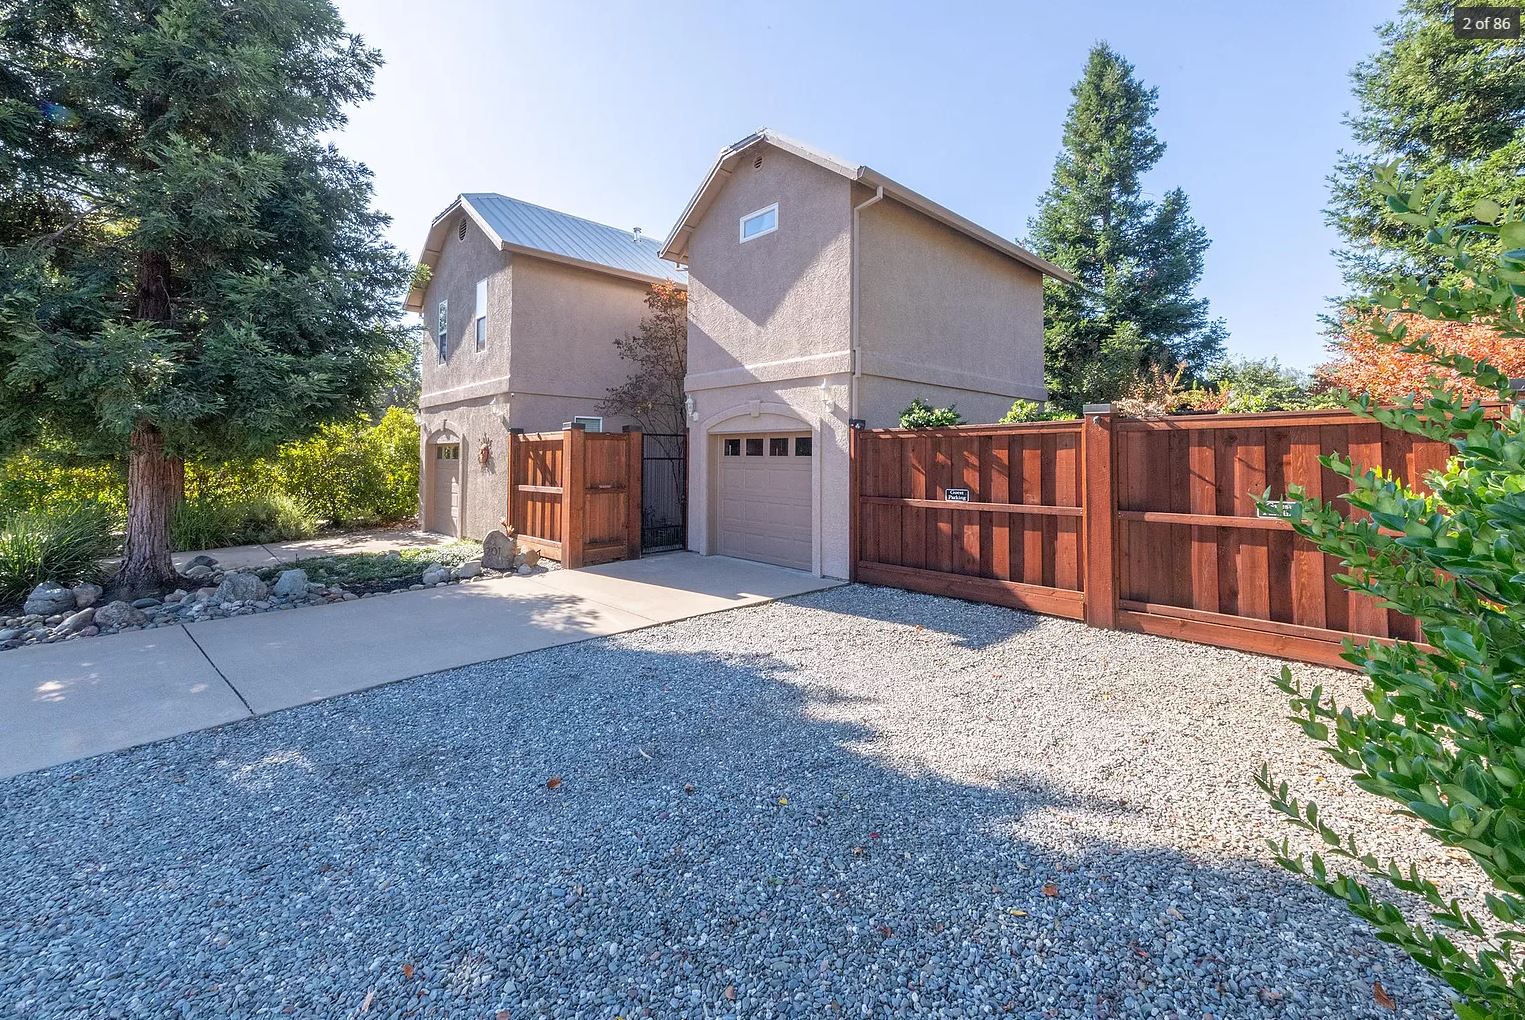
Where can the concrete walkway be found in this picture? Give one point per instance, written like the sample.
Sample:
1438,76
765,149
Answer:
85,697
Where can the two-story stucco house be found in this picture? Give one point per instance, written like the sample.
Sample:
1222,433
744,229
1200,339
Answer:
520,317
819,293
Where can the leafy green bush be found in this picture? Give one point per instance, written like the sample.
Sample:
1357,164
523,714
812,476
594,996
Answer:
1249,385
1444,738
211,523
348,473
63,546
355,473
921,415
1030,410
46,479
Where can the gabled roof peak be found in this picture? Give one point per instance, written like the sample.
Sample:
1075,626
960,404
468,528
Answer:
676,248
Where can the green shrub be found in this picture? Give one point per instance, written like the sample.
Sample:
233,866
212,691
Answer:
354,472
1030,410
921,415
211,523
44,479
62,546
1444,735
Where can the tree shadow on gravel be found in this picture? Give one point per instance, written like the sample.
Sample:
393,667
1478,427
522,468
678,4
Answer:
625,828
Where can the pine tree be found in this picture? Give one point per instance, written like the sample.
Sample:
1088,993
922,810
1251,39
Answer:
186,267
1136,260
1449,112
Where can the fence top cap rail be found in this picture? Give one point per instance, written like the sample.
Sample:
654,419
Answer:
995,429
1330,416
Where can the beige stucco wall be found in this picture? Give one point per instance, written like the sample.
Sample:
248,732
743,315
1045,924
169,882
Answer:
549,356
943,317
779,302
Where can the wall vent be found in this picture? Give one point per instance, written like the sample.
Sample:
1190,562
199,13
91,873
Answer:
460,231
757,163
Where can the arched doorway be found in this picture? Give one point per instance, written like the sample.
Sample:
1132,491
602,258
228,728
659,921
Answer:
443,493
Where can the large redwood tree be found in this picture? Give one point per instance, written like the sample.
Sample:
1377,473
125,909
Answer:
186,267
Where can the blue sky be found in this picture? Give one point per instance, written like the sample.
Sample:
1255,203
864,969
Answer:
615,111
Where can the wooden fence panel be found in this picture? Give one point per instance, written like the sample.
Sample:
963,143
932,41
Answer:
1013,533
574,496
1145,525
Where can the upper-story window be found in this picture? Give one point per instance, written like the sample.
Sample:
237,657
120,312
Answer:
442,329
756,224
479,325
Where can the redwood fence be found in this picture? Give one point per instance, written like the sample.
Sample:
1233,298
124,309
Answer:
574,495
1129,524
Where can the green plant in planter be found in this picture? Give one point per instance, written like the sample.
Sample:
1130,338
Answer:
1443,734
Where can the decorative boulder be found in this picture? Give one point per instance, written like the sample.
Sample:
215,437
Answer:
291,583
435,575
119,614
76,622
498,551
471,568
531,558
197,571
49,599
203,560
85,595
240,587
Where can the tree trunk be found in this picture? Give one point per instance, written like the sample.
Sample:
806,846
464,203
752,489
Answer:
146,566
154,481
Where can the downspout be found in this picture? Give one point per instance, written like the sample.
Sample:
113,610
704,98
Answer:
854,358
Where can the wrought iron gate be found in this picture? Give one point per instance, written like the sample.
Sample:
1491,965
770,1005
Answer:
664,491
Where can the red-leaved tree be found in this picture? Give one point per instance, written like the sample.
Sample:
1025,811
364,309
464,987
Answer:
1362,364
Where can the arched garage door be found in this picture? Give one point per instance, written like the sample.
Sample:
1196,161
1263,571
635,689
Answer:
762,497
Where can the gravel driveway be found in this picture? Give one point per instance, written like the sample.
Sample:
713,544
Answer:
861,803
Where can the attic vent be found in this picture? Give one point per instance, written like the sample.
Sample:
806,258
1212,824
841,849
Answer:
757,163
460,231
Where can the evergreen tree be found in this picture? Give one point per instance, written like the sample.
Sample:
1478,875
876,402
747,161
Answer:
186,267
1136,260
1447,111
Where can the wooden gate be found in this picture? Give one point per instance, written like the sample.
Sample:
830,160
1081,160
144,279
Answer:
1137,525
574,495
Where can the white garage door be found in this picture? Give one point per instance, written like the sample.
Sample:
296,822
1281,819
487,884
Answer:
762,497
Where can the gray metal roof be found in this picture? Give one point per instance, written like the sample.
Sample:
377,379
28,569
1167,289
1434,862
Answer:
520,224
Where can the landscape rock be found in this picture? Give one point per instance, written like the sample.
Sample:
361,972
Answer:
241,587
145,603
531,557
291,582
48,599
498,551
10,634
178,595
434,575
119,614
471,568
202,560
197,571
76,622
524,570
85,594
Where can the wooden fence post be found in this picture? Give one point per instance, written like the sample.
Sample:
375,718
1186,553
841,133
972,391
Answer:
1099,498
854,495
509,453
636,452
574,494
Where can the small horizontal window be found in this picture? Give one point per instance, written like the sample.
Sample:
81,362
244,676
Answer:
756,224
733,447
447,452
754,447
802,446
778,447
